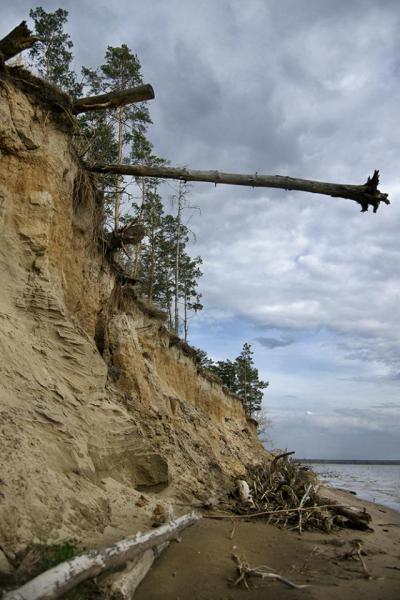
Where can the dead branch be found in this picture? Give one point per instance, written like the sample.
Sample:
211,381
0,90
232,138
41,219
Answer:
244,571
65,576
279,456
358,518
19,39
356,553
304,498
273,512
140,93
366,194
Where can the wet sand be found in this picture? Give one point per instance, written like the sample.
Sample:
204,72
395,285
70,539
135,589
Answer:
201,567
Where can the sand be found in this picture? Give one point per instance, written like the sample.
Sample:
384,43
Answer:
201,567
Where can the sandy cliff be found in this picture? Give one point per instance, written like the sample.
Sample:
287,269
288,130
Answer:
101,416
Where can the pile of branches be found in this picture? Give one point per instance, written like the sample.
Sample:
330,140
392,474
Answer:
285,493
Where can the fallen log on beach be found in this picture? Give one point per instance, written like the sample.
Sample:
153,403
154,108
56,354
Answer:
57,581
359,519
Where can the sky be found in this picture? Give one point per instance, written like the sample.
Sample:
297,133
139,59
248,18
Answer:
306,89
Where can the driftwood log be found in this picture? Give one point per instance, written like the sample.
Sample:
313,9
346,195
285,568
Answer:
122,585
114,99
359,519
67,575
366,194
19,39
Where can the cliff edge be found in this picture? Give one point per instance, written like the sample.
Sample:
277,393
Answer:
103,415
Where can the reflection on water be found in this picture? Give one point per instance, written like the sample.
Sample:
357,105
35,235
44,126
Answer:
376,483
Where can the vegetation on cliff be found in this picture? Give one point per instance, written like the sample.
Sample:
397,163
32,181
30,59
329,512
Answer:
165,271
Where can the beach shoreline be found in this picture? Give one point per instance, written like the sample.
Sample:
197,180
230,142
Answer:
201,567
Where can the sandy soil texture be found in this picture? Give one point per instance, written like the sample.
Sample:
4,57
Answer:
201,566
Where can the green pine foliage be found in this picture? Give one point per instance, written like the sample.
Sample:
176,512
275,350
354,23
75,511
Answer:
52,55
168,274
240,376
248,385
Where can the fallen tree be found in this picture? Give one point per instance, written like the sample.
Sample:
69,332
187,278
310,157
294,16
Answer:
140,93
19,39
366,194
67,575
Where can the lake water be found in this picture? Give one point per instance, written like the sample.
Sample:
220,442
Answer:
376,483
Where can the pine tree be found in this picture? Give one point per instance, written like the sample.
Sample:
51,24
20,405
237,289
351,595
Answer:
189,275
52,54
249,386
203,360
150,201
226,370
121,70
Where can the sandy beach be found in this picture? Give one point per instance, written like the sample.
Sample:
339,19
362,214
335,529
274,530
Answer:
201,566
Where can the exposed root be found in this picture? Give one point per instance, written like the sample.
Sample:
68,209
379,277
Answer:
286,494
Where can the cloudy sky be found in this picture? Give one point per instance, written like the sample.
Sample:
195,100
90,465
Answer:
308,89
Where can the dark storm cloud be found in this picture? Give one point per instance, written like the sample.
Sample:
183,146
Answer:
271,343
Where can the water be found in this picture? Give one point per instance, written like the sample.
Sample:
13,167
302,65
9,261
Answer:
376,483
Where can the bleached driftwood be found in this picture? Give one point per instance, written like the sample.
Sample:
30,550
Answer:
123,584
20,38
65,576
140,93
244,493
366,194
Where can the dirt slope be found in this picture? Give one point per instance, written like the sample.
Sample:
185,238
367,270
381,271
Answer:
100,416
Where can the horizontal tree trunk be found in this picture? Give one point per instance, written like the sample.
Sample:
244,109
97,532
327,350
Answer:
65,576
114,99
20,38
358,518
366,194
122,585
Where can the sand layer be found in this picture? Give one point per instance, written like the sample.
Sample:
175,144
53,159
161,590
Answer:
103,415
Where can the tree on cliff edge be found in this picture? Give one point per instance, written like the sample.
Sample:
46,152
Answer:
248,384
52,55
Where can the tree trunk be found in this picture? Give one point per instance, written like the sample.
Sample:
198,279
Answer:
138,247
366,194
114,99
181,195
19,39
152,262
186,317
67,575
118,177
122,585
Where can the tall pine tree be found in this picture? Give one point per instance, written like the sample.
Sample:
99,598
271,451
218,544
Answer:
52,55
120,70
248,385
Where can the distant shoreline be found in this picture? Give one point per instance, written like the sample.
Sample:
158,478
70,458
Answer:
332,461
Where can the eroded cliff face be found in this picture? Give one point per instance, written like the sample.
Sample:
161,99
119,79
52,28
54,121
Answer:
101,418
